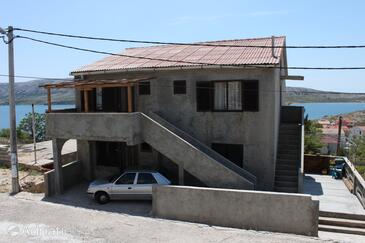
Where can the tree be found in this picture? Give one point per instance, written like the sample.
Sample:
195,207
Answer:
26,126
312,137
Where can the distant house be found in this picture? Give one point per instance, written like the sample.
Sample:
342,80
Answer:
210,114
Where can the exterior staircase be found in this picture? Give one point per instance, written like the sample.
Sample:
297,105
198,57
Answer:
289,154
198,159
342,223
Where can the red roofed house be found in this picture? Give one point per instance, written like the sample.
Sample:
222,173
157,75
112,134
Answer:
208,114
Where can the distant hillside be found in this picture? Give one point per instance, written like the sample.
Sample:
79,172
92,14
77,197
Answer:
29,92
306,95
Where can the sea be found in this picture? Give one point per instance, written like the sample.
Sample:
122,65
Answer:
314,110
319,110
22,110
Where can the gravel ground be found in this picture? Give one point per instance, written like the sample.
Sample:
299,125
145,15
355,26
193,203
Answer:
26,218
27,179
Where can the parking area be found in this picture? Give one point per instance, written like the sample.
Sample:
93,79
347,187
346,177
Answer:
77,196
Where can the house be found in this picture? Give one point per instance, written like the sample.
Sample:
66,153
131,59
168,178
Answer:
208,114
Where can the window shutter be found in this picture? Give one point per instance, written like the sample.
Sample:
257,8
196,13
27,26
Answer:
204,96
251,95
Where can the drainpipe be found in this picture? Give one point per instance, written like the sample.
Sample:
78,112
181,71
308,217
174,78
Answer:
273,47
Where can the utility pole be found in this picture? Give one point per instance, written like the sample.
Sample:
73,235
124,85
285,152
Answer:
34,135
339,135
15,188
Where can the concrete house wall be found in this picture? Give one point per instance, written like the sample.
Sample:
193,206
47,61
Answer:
257,131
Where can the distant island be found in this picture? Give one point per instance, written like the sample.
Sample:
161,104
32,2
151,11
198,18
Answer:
29,92
306,95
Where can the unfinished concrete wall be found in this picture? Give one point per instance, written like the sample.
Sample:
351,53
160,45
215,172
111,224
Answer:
257,131
267,211
72,173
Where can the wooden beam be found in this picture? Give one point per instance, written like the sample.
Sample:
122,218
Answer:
86,101
129,94
49,100
292,77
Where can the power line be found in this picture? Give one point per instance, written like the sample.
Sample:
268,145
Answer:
171,86
188,44
187,62
35,77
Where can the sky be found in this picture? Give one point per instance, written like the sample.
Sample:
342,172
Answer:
309,22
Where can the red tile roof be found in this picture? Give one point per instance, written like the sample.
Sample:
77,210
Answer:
185,56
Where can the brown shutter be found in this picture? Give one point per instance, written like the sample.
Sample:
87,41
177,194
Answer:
204,96
250,95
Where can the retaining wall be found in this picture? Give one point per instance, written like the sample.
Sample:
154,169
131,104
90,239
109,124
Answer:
257,210
72,175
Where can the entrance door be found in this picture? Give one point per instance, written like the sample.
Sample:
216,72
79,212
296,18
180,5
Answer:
116,99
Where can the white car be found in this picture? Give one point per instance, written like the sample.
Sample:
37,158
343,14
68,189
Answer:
132,185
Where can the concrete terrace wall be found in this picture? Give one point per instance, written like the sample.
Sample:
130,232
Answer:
266,211
94,126
72,174
257,131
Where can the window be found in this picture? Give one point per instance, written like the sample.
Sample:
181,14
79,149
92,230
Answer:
228,96
144,88
233,152
126,179
99,99
146,178
179,87
145,147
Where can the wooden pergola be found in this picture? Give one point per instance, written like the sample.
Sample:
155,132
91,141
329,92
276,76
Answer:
88,85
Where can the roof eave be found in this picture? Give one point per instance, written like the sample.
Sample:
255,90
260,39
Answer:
98,72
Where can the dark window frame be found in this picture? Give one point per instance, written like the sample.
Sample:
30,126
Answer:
144,88
179,87
245,107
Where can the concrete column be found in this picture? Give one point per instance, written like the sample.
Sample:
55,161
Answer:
84,155
181,174
57,145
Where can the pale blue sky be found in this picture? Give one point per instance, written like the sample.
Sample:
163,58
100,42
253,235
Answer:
309,22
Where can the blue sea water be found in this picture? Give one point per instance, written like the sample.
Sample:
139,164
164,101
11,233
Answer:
22,110
318,110
314,110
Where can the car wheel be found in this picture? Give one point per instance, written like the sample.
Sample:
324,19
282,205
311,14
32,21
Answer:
102,197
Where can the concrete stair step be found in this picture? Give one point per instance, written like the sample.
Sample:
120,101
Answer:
287,167
286,178
286,161
328,214
342,222
290,126
286,184
280,172
341,229
286,189
284,151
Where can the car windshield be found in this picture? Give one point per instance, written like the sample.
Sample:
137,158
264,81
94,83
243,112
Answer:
113,178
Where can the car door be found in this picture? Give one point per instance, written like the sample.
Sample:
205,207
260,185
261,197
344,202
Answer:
123,187
143,188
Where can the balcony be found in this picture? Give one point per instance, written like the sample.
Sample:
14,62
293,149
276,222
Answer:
100,126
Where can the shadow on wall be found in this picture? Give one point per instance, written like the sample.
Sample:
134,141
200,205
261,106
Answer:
311,186
76,196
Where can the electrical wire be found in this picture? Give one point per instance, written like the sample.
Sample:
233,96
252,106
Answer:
211,88
186,62
187,44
